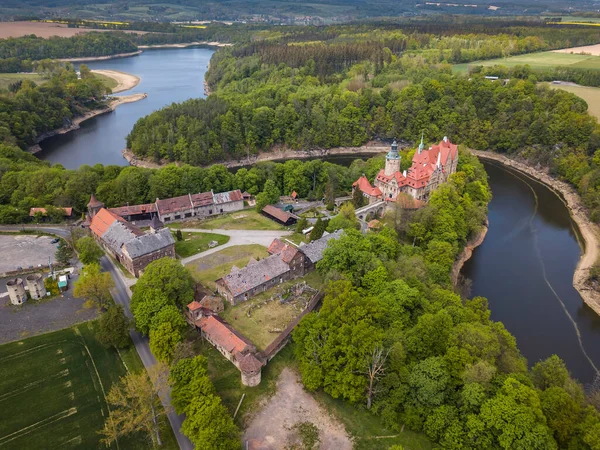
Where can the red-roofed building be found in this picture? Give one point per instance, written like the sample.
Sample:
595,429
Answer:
67,212
429,169
279,216
373,194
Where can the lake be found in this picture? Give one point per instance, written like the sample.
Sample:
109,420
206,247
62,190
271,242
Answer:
167,76
525,269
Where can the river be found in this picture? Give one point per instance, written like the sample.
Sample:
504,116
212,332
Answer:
167,76
525,269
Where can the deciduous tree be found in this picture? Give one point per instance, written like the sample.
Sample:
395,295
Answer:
95,286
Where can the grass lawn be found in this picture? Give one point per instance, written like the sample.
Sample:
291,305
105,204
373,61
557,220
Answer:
248,219
212,267
542,60
590,94
52,390
197,242
6,79
268,315
107,81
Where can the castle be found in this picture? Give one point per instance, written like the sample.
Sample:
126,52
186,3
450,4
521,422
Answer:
429,169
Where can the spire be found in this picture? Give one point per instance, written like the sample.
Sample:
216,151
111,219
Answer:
421,145
393,153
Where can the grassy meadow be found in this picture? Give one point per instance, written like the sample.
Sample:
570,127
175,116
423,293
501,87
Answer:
542,60
6,79
590,94
248,219
212,267
197,242
52,390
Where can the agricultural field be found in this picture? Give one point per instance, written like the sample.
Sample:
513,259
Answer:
542,60
248,219
263,317
197,242
52,390
590,94
6,79
212,267
44,29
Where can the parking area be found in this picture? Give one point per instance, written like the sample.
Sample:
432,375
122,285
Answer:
25,250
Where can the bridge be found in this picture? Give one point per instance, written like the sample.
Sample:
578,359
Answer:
376,208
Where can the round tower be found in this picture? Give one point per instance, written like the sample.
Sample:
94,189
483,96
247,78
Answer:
392,160
16,291
94,205
35,284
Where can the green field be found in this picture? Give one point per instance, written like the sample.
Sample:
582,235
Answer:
6,79
212,267
197,242
590,94
52,390
108,81
247,219
543,60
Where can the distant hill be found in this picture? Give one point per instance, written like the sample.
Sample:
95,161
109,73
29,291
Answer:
275,11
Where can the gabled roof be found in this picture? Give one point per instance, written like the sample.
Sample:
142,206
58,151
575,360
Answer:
174,205
67,212
102,221
194,306
226,197
242,280
277,213
132,210
276,246
149,242
223,334
94,202
202,199
314,250
365,187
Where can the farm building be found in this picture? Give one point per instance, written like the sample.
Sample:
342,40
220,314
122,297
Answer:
279,216
128,244
66,212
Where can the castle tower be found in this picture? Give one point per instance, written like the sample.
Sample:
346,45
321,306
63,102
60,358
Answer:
392,160
35,283
16,291
156,224
94,205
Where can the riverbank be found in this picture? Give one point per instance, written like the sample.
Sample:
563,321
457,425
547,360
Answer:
368,150
77,121
100,58
125,81
467,252
186,45
589,230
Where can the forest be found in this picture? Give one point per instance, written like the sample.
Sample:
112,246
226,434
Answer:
392,336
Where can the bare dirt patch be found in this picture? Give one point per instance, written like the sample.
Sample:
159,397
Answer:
25,250
271,428
44,29
587,49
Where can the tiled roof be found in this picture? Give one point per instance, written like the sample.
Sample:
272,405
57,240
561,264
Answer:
149,242
276,246
364,185
277,213
94,202
242,280
202,199
66,211
223,335
194,306
248,363
314,250
226,197
147,208
174,205
101,221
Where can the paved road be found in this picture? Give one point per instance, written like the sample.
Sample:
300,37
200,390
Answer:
63,232
236,237
122,295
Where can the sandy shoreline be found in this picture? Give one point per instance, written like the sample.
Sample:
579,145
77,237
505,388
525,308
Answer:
186,44
126,80
368,150
589,230
77,121
100,58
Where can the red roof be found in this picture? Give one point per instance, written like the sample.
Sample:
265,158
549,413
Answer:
202,199
222,334
67,212
194,306
134,209
294,195
277,213
365,187
276,246
174,205
102,221
286,251
94,201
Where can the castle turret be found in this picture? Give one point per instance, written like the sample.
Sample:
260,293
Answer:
421,145
392,160
94,205
156,224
